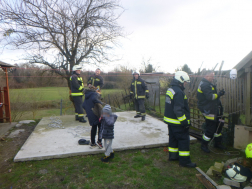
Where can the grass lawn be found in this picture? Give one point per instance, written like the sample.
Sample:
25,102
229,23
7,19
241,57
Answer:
48,93
47,97
143,168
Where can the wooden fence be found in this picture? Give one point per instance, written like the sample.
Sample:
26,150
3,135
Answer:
233,101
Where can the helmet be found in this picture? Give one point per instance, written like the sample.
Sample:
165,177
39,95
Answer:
136,72
182,76
76,67
234,174
248,151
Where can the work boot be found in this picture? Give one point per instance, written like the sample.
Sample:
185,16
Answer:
190,165
105,159
136,116
81,119
112,155
143,118
185,161
204,146
173,156
76,118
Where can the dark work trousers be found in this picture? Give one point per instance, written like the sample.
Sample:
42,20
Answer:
179,139
211,127
139,105
78,105
93,132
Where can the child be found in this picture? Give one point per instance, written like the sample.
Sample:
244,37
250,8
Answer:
91,99
108,120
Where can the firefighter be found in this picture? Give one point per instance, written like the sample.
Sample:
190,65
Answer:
210,106
177,116
139,91
96,80
77,93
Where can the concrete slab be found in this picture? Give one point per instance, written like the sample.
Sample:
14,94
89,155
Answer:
5,127
51,142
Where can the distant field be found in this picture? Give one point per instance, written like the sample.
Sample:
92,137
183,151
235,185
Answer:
46,99
47,93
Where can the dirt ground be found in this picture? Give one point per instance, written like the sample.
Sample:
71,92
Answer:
10,146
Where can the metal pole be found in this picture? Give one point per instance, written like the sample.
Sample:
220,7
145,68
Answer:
60,106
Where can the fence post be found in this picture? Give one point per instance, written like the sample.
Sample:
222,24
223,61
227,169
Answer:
60,106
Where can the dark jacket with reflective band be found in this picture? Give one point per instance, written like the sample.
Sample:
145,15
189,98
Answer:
176,105
138,88
76,85
95,80
208,101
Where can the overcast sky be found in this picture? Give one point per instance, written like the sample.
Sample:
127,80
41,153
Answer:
173,33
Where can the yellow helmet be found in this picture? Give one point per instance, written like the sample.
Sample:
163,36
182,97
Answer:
248,151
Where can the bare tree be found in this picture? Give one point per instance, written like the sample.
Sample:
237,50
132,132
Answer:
148,67
72,32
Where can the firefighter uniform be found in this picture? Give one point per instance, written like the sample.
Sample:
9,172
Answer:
77,94
210,106
139,91
95,80
177,116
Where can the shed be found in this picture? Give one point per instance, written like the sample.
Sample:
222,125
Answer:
244,70
152,81
5,110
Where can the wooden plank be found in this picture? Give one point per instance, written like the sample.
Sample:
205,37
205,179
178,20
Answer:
237,95
248,99
1,108
241,96
205,182
229,96
221,87
244,94
225,97
232,87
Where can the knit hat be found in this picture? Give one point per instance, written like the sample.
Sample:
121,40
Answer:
107,109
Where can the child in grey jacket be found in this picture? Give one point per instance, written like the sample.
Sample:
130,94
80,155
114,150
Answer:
108,120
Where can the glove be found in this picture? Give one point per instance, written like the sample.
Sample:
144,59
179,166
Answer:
147,95
221,93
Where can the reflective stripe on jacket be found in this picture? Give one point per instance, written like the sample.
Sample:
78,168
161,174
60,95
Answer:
176,105
77,85
96,80
138,88
208,100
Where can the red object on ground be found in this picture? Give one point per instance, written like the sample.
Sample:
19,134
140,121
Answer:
166,149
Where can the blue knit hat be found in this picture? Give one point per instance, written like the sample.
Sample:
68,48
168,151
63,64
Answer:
107,109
